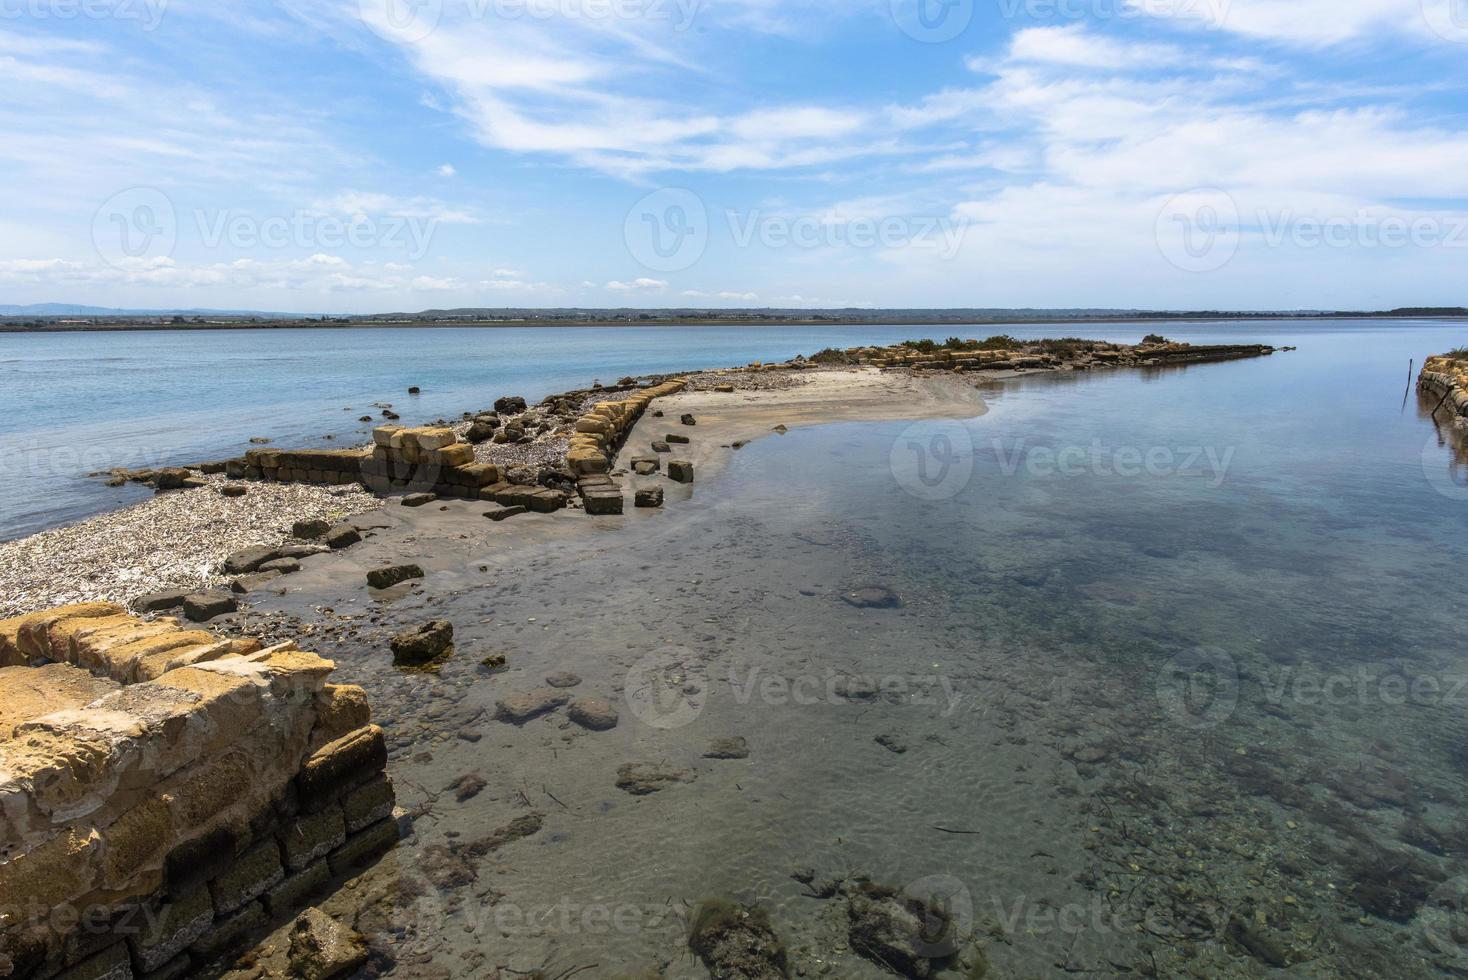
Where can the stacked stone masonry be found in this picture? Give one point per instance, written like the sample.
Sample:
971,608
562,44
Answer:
599,434
165,793
1446,378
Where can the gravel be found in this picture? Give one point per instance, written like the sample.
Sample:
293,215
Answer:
175,540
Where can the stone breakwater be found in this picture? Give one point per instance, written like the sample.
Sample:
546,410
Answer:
166,793
1445,378
974,356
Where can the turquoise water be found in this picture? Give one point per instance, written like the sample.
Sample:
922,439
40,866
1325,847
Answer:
81,403
1178,688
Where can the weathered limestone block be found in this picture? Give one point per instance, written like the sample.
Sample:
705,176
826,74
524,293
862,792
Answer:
366,805
310,837
26,692
181,921
341,765
292,893
135,841
364,848
51,875
340,709
112,963
23,638
256,872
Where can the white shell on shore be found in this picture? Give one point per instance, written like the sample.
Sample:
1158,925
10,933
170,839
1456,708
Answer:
177,539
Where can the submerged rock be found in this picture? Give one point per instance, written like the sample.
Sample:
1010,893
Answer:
423,644
642,779
563,678
517,709
906,935
386,578
736,942
596,714
873,597
730,747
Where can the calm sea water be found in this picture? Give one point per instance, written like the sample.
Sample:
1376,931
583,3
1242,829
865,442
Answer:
81,403
1178,689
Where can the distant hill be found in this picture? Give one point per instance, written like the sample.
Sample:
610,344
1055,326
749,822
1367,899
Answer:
68,309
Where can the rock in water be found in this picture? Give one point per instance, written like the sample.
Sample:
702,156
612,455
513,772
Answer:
423,644
642,779
419,499
648,497
680,471
732,747
517,709
596,714
323,949
909,936
248,560
386,578
737,941
688,420
563,678
873,597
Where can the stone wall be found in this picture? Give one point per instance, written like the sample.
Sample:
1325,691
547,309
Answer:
901,356
164,792
1447,379
601,432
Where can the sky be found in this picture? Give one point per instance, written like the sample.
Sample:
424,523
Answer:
357,156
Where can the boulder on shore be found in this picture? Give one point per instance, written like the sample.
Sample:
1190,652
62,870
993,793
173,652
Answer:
323,949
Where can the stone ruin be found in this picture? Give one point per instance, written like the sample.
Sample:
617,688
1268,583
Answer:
166,794
433,459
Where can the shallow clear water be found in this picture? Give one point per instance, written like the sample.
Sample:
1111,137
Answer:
1179,685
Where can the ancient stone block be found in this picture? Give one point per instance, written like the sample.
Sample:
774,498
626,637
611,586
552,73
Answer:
112,963
680,470
310,530
31,692
161,601
366,805
292,893
599,503
340,765
343,536
505,513
340,709
242,562
181,920
54,873
214,788
135,840
204,606
199,859
256,872
649,497
230,931
310,837
246,584
365,847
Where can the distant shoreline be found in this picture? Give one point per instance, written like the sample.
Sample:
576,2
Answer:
130,326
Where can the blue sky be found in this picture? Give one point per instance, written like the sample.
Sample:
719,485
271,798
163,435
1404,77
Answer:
378,155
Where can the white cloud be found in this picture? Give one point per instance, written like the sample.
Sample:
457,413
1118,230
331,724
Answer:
725,295
447,170
638,286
